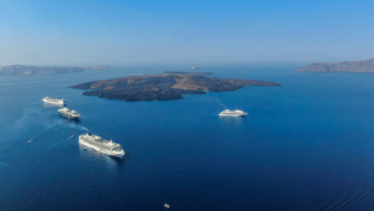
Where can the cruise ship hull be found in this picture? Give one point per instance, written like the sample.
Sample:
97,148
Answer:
240,115
68,116
107,152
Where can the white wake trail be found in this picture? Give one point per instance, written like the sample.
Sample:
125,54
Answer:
70,137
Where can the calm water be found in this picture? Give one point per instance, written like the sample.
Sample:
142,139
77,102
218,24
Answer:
308,145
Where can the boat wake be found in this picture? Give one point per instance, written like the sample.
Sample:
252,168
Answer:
44,131
350,201
31,104
77,126
221,104
82,128
70,137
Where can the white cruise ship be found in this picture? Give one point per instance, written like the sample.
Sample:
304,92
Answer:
107,147
71,114
236,112
57,101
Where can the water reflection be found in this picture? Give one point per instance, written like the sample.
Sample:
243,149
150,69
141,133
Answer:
232,120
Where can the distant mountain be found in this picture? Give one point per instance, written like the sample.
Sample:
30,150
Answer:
365,66
32,70
189,73
97,67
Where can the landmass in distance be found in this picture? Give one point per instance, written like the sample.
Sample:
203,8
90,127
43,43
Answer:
189,73
33,70
167,86
364,66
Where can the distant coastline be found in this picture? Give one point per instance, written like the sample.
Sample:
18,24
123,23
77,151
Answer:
167,86
364,66
189,73
36,70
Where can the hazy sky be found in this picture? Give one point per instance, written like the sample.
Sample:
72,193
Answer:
193,31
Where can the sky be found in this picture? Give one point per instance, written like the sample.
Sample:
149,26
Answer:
78,32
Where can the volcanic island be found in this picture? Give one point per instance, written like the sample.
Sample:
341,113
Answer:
166,86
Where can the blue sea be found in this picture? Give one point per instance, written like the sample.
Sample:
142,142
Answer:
305,146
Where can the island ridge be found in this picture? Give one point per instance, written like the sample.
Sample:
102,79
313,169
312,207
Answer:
163,86
365,66
33,70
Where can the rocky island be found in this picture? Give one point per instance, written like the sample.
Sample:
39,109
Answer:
365,66
167,86
32,70
189,73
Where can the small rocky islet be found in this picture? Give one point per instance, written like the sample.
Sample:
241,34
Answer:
166,86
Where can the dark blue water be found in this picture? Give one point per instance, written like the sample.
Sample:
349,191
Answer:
308,145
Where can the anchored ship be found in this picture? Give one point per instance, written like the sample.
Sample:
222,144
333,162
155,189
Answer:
71,114
236,112
102,145
57,101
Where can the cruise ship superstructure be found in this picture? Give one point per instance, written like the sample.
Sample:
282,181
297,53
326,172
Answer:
55,101
107,147
236,112
71,114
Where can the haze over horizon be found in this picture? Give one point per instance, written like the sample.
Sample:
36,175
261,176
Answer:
188,32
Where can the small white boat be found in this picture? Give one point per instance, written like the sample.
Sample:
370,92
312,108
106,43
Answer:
29,141
167,206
